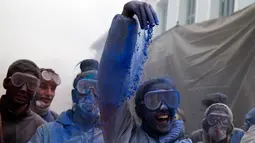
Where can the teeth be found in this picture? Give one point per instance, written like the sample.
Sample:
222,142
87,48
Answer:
163,117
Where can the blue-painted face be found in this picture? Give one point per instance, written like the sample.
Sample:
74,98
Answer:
84,97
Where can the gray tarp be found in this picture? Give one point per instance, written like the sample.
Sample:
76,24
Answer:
213,56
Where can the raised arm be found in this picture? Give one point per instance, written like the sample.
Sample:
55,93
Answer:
115,64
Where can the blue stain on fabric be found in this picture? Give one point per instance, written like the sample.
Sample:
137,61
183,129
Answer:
65,130
176,132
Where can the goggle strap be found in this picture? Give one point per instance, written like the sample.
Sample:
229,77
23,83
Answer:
76,66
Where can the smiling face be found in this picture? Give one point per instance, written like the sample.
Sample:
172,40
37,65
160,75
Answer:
20,89
45,93
159,120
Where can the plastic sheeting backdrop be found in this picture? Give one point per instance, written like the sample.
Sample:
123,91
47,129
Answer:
213,56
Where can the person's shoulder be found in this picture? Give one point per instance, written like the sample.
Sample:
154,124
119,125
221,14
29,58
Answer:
184,141
54,114
49,126
197,132
249,135
237,134
197,135
38,119
238,130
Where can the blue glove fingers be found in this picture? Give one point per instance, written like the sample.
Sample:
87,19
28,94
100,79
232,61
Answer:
149,14
154,15
143,17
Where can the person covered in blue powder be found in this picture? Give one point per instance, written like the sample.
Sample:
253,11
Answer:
249,127
218,126
156,100
81,124
45,94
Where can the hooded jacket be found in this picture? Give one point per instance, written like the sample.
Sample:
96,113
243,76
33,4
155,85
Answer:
200,136
234,136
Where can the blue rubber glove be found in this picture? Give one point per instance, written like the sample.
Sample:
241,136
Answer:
145,13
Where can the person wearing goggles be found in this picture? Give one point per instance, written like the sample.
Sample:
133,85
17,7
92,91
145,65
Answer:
249,127
156,100
218,126
81,124
19,123
41,102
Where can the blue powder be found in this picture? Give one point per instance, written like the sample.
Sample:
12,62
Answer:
138,60
130,61
135,70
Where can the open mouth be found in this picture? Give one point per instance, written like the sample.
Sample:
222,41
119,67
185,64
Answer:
45,100
163,118
20,99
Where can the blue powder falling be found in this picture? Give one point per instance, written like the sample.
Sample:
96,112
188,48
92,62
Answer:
131,68
138,60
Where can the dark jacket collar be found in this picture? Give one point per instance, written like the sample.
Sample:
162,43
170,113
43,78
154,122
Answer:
8,115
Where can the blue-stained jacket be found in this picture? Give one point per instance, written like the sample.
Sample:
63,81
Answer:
64,130
116,76
50,116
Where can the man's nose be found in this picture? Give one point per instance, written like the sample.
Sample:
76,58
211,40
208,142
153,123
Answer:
24,87
163,107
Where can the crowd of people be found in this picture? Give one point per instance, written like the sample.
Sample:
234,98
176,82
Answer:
100,111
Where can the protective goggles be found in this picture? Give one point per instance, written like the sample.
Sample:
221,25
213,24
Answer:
49,76
154,99
84,86
214,119
19,79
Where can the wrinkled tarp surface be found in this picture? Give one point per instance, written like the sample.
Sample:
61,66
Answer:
213,56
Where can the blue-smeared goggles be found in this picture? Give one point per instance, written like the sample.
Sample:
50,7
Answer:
154,99
84,86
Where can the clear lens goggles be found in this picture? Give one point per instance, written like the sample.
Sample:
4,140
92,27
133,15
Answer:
85,85
49,76
214,119
154,99
19,79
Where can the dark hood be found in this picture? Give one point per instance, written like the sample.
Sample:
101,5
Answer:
250,116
